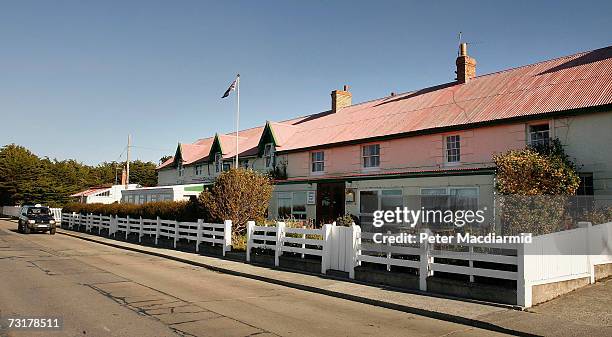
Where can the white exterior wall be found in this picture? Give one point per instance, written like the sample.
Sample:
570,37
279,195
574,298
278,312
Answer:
169,175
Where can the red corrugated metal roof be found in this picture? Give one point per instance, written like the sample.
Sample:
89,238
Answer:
571,82
90,191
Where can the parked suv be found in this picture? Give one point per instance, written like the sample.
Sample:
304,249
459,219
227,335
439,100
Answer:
36,218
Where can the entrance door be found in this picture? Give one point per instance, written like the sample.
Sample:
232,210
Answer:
330,202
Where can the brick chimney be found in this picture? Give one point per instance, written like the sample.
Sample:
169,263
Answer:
466,66
341,99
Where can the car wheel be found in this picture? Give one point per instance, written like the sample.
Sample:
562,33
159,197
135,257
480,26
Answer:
52,231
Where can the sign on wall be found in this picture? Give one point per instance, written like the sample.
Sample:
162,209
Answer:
311,198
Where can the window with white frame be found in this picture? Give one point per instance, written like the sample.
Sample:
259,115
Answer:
226,166
291,205
539,135
181,169
269,155
317,161
198,170
218,162
374,200
453,149
449,198
370,156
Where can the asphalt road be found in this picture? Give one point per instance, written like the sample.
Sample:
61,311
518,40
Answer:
104,291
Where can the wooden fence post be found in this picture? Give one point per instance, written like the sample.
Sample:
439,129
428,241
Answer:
140,231
523,282
227,236
355,249
199,235
280,238
388,253
326,253
424,264
176,232
157,229
71,222
249,239
127,226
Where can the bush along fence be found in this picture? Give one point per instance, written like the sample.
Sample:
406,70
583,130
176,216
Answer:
522,274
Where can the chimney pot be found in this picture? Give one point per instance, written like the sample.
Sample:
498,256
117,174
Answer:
466,66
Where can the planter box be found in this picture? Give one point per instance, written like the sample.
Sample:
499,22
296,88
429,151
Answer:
477,291
388,278
297,263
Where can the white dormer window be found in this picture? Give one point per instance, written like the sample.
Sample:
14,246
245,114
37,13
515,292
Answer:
218,162
181,169
269,155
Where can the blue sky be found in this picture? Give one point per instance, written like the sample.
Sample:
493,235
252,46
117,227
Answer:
77,76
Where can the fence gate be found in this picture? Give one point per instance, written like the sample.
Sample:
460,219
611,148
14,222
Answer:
341,249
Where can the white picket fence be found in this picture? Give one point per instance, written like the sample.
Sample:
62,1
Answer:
550,258
198,232
282,239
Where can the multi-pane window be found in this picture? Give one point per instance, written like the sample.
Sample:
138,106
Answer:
218,162
584,198
198,170
374,200
451,198
269,155
371,156
318,161
538,135
453,149
291,205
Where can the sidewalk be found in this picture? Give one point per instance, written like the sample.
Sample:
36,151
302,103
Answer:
559,317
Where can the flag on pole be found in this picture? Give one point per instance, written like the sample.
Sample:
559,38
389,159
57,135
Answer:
231,88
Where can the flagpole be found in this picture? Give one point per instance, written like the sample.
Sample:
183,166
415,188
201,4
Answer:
237,114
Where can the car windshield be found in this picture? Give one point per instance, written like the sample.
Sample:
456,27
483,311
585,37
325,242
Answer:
38,211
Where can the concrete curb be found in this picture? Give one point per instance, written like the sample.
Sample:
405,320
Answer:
394,306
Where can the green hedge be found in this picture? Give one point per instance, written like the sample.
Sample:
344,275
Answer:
167,210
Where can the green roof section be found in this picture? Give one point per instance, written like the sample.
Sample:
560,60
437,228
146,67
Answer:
198,188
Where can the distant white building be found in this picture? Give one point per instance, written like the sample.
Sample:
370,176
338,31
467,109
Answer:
143,195
101,194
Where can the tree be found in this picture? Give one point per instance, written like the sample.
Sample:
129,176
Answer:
239,195
27,179
535,183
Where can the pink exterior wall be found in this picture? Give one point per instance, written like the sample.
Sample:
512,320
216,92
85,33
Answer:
417,152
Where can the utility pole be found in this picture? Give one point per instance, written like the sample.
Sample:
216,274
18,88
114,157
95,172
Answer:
127,180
